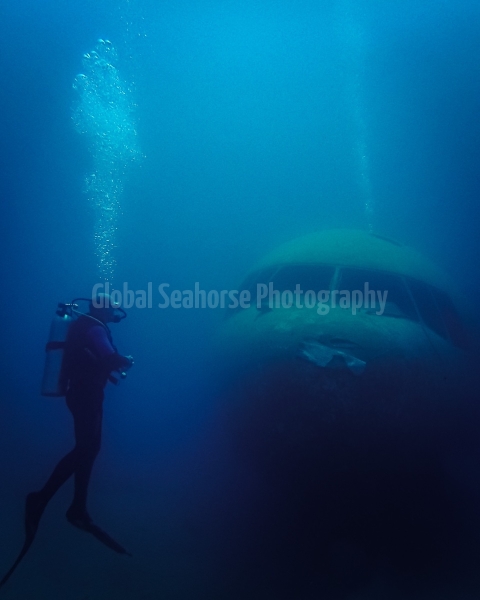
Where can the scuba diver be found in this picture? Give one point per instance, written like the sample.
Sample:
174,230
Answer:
88,362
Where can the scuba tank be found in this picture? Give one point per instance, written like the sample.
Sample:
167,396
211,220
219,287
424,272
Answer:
53,383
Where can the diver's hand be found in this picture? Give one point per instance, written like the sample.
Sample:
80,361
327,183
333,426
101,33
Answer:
131,362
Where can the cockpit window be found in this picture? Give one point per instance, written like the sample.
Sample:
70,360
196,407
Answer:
398,300
406,298
427,307
287,277
451,318
308,277
439,313
253,281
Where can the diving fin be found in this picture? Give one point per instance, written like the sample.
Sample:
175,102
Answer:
102,536
25,549
33,513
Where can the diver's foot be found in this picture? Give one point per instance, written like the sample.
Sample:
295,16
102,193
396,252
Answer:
82,520
34,506
79,518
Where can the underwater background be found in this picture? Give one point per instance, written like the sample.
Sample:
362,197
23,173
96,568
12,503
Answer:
248,123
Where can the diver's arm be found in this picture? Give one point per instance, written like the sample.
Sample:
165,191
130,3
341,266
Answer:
104,351
117,362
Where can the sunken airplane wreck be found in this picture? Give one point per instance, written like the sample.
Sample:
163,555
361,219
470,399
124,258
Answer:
359,411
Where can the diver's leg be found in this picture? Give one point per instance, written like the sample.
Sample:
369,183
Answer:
37,501
59,476
88,433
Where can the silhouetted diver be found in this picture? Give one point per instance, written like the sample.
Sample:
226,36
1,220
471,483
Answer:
90,357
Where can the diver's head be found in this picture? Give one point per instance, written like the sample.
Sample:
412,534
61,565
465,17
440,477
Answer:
105,310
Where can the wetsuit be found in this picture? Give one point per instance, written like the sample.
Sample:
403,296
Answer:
90,357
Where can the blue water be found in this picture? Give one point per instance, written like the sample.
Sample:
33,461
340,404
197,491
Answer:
255,121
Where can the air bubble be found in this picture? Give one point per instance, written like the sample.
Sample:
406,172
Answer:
103,112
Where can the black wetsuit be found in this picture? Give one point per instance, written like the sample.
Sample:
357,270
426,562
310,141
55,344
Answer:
90,357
